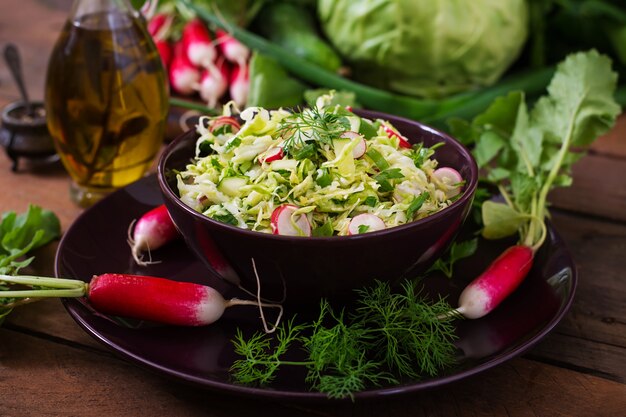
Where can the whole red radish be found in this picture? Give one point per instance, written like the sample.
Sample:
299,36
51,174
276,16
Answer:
233,50
214,83
184,76
499,280
239,85
197,44
137,296
159,25
153,230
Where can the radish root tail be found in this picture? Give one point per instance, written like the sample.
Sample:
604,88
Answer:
260,304
136,249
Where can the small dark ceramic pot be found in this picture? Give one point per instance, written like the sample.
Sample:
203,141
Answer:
307,268
24,135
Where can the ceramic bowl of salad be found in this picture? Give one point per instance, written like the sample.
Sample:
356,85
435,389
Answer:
316,202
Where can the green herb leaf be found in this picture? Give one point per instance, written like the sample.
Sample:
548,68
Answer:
371,201
500,220
363,228
384,177
232,144
581,92
311,125
226,217
378,159
325,179
307,151
368,129
324,230
416,204
456,252
487,147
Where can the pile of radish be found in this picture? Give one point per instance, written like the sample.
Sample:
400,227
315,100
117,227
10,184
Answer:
210,64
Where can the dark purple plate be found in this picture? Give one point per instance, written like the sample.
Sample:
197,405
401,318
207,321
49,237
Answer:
96,244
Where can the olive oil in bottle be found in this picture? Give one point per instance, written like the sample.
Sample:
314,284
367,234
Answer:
106,98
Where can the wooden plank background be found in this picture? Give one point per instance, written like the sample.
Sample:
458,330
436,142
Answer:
49,366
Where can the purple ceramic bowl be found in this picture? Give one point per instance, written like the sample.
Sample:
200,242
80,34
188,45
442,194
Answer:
307,268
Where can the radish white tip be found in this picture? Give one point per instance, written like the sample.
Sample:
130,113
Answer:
136,247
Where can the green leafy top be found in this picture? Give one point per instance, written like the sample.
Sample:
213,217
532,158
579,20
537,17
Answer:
19,235
526,153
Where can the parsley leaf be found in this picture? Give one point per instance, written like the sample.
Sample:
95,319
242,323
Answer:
456,252
384,177
416,204
19,235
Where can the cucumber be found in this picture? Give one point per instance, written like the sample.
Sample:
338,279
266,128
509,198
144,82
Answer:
294,28
231,185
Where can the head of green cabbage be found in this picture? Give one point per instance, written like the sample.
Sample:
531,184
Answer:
427,48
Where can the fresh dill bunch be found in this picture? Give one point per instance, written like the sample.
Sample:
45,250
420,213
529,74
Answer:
406,330
387,337
340,364
263,352
311,126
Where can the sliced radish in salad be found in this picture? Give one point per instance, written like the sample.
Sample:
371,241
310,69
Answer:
402,141
274,154
360,148
450,177
284,223
224,121
364,223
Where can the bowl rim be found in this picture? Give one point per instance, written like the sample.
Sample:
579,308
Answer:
467,194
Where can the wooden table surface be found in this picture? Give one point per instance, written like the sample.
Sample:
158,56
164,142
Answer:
49,366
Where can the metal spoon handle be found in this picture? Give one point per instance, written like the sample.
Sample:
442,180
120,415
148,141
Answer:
12,57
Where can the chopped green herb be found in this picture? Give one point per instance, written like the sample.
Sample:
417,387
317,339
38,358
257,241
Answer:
456,252
233,144
216,163
421,153
371,201
325,179
378,159
368,129
311,124
307,151
417,204
384,177
324,230
363,228
226,217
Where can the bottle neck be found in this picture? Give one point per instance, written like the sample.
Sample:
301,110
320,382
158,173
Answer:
82,8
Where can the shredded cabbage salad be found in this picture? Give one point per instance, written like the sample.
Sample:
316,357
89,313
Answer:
327,163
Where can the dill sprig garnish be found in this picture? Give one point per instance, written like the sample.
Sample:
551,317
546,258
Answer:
388,337
311,125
